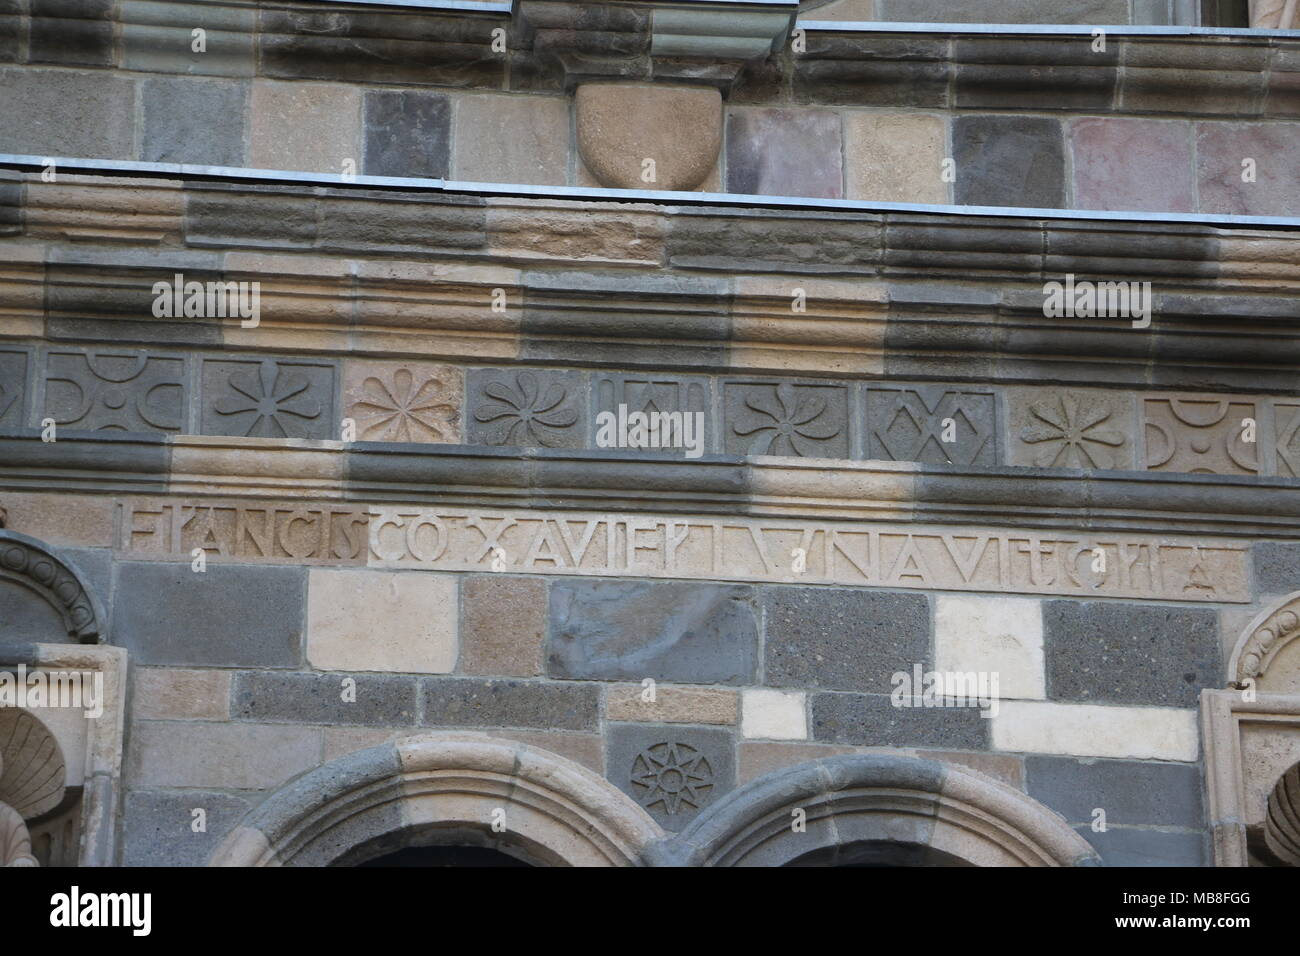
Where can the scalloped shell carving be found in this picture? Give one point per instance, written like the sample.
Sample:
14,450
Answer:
32,771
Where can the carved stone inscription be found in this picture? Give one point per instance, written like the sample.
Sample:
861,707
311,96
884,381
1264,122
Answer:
905,556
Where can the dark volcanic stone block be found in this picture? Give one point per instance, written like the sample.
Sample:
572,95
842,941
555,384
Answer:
1131,792
872,720
365,699
467,702
672,771
1009,161
407,133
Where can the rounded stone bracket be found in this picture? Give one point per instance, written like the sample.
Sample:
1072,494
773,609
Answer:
1260,643
31,564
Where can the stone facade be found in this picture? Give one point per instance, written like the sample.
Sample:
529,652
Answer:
602,433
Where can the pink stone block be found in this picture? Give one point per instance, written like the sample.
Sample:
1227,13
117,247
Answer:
1132,164
1273,150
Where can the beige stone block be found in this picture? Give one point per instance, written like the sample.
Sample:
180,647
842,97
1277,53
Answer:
599,234
1194,432
995,635
90,208
895,157
503,626
1091,730
78,520
511,138
671,705
359,620
164,693
773,714
1071,428
759,758
341,741
225,756
1010,770
859,11
313,127
586,749
622,127
403,401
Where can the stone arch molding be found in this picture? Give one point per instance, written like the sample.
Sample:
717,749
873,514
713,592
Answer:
939,811
443,787
1260,644
30,564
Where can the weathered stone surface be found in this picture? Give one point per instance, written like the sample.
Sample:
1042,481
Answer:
1132,164
1131,792
1034,73
249,216
225,616
671,705
1009,161
403,401
773,714
381,621
1009,769
193,121
790,419
64,113
1007,11
85,520
13,388
1001,635
1222,154
299,698
1054,427
1130,653
622,125
1200,433
467,702
837,639
1091,730
689,395
1286,427
158,38
381,223
895,157
1277,567
911,423
788,241
1124,846
530,408
164,693
631,630
158,827
761,757
673,772
267,397
503,625
407,133
221,756
71,32
313,127
872,720
512,139
784,152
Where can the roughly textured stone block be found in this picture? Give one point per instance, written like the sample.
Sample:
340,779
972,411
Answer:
872,720
163,693
773,714
381,621
789,419
784,152
357,221
1009,161
912,423
840,639
1199,433
1001,635
1122,846
1271,152
13,388
158,37
225,616
503,625
512,139
529,407
403,401
761,757
1277,567
314,127
1130,653
671,705
298,698
1045,73
158,826
670,631
619,126
467,702
1006,11
895,157
1132,164
1091,730
58,519
1130,792
1054,427
63,113
673,772
407,133
221,756
268,398
1286,427
1009,769
71,32
193,121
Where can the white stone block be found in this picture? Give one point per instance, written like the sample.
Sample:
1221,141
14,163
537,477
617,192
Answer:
1002,635
773,714
1093,730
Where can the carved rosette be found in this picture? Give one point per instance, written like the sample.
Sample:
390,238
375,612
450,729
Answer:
1265,638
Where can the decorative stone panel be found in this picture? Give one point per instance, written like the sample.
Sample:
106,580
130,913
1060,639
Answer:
403,401
268,398
1200,433
672,771
526,407
912,423
787,419
121,390
1070,428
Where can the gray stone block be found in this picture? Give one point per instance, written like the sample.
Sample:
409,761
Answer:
194,121
1009,161
784,152
233,616
1103,12
910,423
1120,846
63,113
158,38
407,133
361,699
789,419
355,221
778,241
1132,792
871,720
530,408
466,702
670,631
1277,567
119,389
1113,652
158,826
842,639
267,397
673,771
273,217
13,388
71,32
1047,73
688,395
